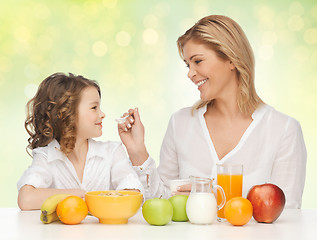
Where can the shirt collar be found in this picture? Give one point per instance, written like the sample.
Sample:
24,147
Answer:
54,152
257,114
95,149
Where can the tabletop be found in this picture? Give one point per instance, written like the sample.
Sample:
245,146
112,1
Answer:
292,224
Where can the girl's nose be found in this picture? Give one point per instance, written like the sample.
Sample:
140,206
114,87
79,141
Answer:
102,115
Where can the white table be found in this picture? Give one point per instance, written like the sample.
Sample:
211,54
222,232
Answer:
292,224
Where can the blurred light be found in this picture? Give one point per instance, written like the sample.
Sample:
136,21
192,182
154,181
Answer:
150,21
123,38
30,90
81,48
5,64
186,23
295,23
264,13
150,36
162,9
79,65
127,80
310,36
201,9
45,42
301,54
22,34
269,38
41,11
110,3
266,52
99,48
286,37
314,11
296,8
31,71
314,58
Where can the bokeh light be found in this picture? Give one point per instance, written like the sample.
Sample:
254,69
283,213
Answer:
129,47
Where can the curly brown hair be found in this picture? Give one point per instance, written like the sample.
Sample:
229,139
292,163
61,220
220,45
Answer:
52,112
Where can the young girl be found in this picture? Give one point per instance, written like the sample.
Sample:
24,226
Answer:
62,119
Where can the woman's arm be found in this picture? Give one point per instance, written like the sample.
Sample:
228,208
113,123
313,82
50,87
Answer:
132,136
155,181
31,198
289,168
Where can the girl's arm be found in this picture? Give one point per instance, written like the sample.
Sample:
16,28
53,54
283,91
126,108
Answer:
31,198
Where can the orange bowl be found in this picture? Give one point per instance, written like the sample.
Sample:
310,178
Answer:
111,208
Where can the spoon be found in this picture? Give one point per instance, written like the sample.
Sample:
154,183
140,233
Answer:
121,120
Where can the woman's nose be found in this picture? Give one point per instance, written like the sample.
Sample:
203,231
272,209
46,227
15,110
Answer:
191,73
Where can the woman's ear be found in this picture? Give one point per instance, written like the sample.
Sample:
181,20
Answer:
232,66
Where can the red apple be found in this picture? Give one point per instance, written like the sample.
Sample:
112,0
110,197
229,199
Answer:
268,202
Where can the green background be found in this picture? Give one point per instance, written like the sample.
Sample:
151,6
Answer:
129,47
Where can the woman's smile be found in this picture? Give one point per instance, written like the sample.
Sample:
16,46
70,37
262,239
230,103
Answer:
200,83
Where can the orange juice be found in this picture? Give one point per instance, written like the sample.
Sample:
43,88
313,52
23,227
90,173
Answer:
232,186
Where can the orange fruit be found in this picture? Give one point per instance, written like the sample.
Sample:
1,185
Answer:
72,210
238,211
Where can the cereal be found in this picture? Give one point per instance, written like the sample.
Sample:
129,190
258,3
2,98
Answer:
113,194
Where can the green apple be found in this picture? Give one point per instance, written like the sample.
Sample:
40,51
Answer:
179,208
157,211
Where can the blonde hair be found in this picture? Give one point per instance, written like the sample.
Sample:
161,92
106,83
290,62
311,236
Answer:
52,112
228,40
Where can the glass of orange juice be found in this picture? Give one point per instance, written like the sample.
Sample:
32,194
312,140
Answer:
230,178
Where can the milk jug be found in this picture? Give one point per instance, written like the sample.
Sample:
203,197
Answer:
201,207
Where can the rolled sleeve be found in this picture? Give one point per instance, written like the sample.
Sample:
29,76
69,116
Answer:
37,175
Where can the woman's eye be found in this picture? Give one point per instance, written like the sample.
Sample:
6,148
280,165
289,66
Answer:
95,107
197,61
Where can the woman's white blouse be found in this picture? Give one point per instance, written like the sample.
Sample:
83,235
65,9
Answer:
272,150
107,167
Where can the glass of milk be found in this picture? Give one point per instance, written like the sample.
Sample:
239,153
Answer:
201,207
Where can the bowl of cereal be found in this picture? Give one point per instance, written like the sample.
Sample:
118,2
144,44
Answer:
113,207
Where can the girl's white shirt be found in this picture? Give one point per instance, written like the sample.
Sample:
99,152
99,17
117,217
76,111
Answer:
107,167
272,150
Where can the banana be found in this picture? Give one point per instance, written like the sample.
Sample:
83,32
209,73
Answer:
49,218
50,204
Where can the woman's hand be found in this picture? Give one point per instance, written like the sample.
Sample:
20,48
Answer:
131,133
183,190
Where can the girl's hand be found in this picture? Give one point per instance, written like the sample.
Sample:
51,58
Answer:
131,133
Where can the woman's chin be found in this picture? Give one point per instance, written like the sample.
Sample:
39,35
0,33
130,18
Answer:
205,98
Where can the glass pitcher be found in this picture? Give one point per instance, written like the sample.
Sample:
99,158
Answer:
201,207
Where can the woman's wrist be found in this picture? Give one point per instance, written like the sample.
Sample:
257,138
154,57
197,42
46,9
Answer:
138,156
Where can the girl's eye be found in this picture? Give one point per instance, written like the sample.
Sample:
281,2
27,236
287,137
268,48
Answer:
197,61
95,107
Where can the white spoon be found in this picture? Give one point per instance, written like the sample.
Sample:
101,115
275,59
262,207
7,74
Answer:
121,120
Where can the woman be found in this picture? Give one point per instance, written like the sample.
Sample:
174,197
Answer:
230,123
